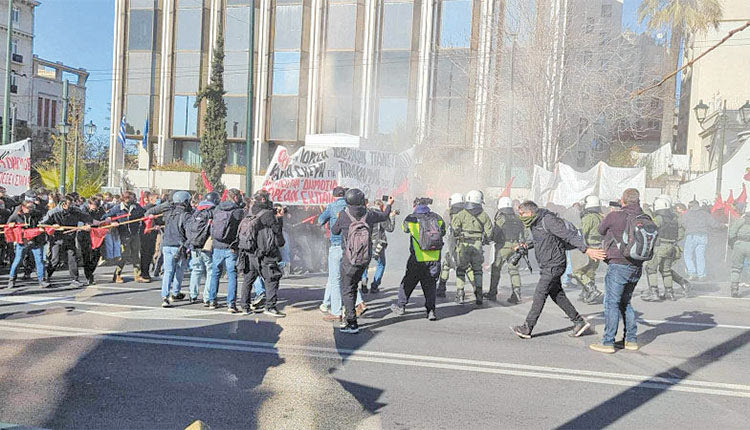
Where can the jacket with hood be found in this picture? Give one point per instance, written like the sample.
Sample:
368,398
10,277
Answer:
173,222
472,224
330,215
699,221
236,215
70,217
411,226
268,220
31,220
380,229
611,229
372,217
134,211
549,235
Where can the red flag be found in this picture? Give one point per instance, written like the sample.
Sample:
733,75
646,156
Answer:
142,200
747,174
224,195
718,204
31,233
97,236
50,230
730,200
742,198
206,183
506,191
14,234
310,220
148,224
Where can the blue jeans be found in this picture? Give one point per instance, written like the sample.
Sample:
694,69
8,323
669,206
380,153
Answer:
226,259
174,271
619,283
200,266
566,277
112,246
36,252
259,286
332,295
695,254
379,270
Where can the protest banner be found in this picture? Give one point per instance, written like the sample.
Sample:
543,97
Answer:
15,167
307,177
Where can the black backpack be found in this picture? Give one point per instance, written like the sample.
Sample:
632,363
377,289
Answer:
254,237
430,235
221,226
198,228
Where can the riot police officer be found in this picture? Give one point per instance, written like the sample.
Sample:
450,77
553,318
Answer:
507,233
472,228
455,205
739,237
586,275
665,251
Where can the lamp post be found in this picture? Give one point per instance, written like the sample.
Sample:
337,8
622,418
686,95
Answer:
64,128
745,113
6,100
89,129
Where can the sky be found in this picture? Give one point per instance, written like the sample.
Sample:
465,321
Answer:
630,16
79,33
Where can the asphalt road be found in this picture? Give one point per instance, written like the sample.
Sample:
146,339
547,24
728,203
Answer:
109,356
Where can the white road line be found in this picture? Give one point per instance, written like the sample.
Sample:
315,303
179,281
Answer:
445,363
724,297
679,323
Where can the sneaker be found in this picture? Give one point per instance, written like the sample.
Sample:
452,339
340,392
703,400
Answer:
323,308
45,284
331,317
232,309
460,295
143,280
669,295
206,304
76,284
606,349
91,280
118,279
166,303
213,305
632,346
431,315
579,328
259,302
11,283
364,288
273,312
398,310
490,297
179,296
514,299
193,300
360,309
248,310
522,331
350,327
374,289
596,297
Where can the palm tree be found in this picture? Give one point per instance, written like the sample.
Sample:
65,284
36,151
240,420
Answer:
679,18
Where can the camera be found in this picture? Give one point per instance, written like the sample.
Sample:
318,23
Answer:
520,253
615,204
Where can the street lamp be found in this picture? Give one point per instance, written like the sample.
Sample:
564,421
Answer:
745,112
90,129
64,129
701,111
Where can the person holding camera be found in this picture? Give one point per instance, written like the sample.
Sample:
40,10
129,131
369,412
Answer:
379,245
426,230
552,236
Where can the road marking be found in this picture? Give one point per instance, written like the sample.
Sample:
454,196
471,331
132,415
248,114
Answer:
597,317
412,360
724,297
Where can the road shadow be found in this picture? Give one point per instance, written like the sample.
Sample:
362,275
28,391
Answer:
611,410
688,321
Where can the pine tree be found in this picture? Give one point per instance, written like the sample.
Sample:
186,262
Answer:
213,145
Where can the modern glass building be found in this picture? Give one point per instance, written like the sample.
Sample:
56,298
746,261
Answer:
379,70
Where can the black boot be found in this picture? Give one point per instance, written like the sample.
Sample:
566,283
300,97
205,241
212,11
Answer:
652,295
585,292
460,295
363,288
515,296
595,296
669,294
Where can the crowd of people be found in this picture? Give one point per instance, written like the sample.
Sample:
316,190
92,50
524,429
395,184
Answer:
212,236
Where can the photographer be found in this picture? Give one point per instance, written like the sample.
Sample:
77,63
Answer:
379,245
426,230
551,237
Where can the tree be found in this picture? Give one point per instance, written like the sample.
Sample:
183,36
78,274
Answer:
678,18
213,150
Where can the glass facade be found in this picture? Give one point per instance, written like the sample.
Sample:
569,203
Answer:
340,101
394,71
285,73
236,47
140,66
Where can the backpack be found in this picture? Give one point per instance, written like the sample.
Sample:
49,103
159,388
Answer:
221,226
670,228
571,229
357,248
511,230
247,232
430,237
198,228
639,238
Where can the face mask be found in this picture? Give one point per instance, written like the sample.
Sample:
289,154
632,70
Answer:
528,220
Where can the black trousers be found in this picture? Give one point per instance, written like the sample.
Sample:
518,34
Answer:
148,247
426,274
350,278
89,255
268,269
57,249
550,285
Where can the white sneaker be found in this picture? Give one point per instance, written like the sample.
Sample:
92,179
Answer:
323,308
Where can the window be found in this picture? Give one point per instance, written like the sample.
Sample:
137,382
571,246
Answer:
187,67
286,73
190,153
397,24
185,116
284,118
342,26
137,107
391,114
140,30
188,32
394,73
237,29
39,110
138,73
46,113
606,10
14,46
13,80
236,117
16,14
53,114
289,26
455,24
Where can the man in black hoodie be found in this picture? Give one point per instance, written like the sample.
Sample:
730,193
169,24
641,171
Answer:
226,219
173,245
263,261
351,274
67,214
550,236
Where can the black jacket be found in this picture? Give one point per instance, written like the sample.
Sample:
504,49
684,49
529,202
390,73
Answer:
549,235
173,221
71,218
268,220
31,220
237,213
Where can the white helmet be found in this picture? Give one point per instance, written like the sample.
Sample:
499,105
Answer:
661,203
603,203
455,198
475,196
504,203
591,202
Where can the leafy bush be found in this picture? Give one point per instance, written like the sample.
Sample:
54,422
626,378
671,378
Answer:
90,178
